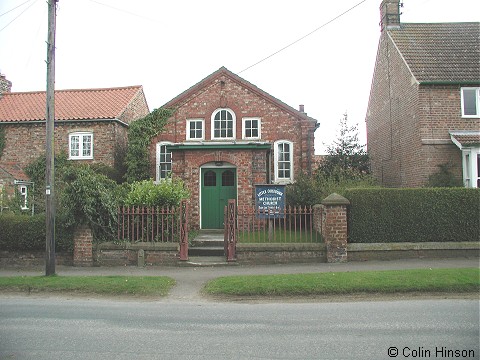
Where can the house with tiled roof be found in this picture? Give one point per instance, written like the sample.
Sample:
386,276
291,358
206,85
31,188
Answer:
90,125
424,106
225,137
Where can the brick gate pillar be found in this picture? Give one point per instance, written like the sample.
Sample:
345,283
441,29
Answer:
83,242
334,227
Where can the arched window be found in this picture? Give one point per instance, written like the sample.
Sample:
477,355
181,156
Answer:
283,165
223,121
164,161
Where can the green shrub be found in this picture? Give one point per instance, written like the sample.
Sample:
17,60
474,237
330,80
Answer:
413,215
28,233
147,193
90,198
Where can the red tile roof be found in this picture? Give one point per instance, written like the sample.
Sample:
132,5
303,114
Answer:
78,104
466,139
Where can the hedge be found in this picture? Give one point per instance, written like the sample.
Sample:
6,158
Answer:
28,233
413,215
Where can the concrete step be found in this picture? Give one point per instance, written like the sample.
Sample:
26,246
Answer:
206,251
199,261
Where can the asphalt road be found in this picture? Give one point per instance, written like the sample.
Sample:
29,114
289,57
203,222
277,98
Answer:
62,328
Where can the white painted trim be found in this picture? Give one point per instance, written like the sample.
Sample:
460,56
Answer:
80,134
244,137
187,130
278,180
477,102
234,125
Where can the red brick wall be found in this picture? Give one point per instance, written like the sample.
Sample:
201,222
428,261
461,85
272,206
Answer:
408,123
253,166
250,166
26,142
276,123
136,109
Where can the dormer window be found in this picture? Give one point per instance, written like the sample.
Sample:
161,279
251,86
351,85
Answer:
223,121
471,102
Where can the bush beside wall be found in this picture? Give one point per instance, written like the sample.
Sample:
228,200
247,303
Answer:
28,233
413,215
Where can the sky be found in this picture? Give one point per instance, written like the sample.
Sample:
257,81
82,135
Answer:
168,46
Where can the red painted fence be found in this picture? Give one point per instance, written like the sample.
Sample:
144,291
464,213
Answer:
291,224
149,224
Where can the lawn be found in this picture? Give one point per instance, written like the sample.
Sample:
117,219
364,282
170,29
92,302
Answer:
100,285
387,282
280,235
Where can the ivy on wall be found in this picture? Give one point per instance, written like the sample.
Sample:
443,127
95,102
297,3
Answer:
140,135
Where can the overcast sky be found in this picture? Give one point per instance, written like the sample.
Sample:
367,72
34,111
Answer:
168,46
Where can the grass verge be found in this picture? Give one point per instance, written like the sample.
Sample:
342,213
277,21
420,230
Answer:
334,283
99,285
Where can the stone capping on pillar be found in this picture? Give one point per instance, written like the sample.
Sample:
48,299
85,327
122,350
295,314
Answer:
334,227
83,244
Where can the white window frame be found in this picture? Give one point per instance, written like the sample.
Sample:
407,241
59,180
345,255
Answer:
81,149
158,163
277,178
23,192
471,176
477,102
189,122
234,121
244,128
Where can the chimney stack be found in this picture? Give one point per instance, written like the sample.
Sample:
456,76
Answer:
390,14
301,108
5,85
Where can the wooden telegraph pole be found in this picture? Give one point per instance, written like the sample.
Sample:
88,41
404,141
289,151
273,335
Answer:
50,148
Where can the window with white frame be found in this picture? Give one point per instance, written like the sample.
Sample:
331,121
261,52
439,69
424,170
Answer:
251,128
80,145
164,161
470,102
195,129
223,124
283,164
23,192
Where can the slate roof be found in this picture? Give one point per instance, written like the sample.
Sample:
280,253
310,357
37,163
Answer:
79,104
440,52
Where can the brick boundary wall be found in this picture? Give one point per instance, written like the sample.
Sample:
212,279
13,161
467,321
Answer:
334,227
83,246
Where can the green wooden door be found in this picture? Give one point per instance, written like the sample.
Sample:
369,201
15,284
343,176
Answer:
218,185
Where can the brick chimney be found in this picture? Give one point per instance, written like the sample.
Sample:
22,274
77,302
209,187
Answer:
5,85
301,108
390,14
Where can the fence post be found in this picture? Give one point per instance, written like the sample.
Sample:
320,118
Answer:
183,230
334,227
231,229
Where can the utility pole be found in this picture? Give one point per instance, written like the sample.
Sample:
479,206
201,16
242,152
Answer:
50,144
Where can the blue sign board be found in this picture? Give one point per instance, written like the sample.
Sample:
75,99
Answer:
270,201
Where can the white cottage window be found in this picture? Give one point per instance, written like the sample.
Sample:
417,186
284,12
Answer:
283,164
80,145
164,161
